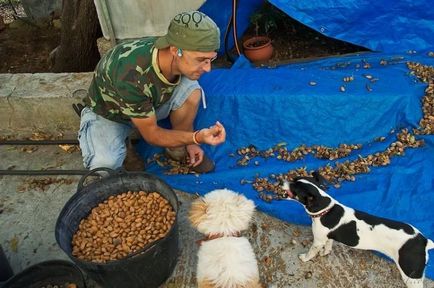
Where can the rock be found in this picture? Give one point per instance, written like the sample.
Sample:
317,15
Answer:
36,9
103,45
20,23
57,23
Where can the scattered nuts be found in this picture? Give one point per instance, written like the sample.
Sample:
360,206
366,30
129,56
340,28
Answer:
173,167
348,78
380,139
281,152
366,65
345,171
425,74
270,188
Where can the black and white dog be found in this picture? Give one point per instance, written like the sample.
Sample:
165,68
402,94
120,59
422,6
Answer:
334,221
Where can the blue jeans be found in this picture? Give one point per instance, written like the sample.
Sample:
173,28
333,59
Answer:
102,141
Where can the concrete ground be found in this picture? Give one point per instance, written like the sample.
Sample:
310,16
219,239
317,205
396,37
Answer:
29,206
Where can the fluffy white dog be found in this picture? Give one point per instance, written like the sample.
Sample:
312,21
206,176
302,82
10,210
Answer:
225,260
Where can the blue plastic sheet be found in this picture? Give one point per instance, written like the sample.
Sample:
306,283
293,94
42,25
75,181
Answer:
303,104
387,26
221,11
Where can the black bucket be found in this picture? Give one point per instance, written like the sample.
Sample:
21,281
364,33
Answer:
149,267
53,272
5,269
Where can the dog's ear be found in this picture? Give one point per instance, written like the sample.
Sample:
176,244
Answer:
197,211
309,201
320,180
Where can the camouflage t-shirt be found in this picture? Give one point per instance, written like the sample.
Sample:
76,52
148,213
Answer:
128,83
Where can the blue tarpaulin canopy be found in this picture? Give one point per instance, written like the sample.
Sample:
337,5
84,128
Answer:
304,104
386,26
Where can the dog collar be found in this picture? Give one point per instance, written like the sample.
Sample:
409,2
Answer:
321,213
210,237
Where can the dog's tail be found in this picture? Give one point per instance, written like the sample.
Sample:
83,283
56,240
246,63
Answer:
430,244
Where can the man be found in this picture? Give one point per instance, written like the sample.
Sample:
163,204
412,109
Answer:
139,82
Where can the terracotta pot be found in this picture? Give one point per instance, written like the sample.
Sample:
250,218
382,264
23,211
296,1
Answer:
258,48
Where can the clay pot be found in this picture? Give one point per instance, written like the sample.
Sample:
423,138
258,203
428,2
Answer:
258,48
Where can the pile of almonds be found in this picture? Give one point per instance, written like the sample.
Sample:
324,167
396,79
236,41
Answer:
250,152
290,156
342,171
346,171
425,74
265,185
323,152
122,225
173,167
281,152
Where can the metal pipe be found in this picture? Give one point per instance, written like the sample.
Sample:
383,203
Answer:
39,142
43,172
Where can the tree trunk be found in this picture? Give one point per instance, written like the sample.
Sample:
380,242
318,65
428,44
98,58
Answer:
78,50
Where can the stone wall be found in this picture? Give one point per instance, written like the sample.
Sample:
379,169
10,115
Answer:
41,102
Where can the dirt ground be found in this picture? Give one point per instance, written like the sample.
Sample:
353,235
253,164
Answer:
25,48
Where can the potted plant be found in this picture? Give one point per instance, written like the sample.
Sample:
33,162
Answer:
259,48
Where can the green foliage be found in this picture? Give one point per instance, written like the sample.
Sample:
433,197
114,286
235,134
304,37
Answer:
14,2
267,19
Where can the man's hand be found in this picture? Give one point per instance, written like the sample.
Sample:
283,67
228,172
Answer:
213,135
195,154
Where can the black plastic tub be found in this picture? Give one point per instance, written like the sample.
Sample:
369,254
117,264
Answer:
149,267
53,272
5,269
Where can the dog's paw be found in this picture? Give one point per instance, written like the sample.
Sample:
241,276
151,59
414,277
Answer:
303,257
324,252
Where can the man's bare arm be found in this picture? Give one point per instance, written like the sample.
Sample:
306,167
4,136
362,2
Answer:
155,135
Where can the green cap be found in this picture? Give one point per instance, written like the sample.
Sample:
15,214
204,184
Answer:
191,31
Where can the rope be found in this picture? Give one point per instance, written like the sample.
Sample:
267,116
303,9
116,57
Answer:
234,16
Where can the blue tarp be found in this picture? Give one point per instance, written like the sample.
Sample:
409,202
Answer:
303,104
386,26
265,107
221,10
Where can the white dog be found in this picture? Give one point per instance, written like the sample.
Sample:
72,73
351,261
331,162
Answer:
225,260
333,221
